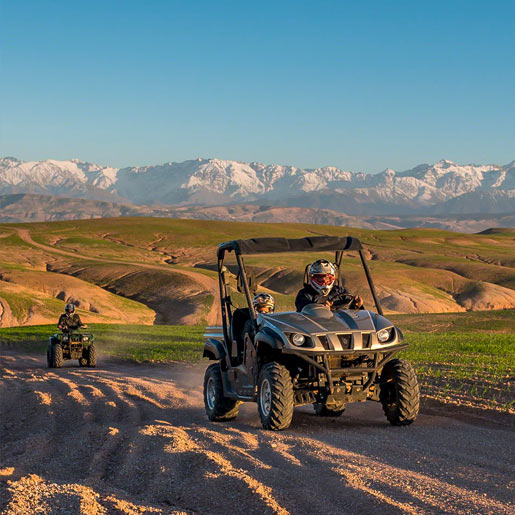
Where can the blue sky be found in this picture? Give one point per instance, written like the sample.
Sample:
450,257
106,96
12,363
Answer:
358,85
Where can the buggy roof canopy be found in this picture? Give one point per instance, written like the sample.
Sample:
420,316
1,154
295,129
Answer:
271,245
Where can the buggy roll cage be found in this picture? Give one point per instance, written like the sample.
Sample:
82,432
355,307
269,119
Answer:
274,245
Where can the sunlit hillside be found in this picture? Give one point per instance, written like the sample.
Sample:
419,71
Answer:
156,270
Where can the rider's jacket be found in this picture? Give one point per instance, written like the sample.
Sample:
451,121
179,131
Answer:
308,295
69,322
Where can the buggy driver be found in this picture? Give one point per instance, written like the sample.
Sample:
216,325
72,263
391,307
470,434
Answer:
69,320
322,290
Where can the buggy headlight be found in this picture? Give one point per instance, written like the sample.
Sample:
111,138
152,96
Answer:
383,335
298,339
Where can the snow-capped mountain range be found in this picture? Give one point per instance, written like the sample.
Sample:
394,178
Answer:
441,187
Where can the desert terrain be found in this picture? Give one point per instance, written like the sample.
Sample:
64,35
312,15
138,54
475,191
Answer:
128,438
131,436
161,271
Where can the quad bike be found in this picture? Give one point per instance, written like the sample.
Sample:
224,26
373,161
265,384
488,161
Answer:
318,356
71,345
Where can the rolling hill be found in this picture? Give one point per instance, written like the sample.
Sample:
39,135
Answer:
26,207
158,270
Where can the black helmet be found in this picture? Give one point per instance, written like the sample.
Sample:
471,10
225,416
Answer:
70,308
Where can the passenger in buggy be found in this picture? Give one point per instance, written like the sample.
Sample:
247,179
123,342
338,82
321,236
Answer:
262,303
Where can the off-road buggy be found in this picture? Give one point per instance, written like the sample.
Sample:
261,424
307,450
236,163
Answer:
318,356
71,345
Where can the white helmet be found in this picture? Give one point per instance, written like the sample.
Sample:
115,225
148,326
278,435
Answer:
263,301
322,275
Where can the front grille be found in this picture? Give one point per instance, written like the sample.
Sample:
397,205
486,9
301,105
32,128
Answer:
345,341
325,342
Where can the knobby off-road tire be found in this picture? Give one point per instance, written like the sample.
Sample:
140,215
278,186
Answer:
399,394
323,411
83,361
91,355
56,356
275,397
218,407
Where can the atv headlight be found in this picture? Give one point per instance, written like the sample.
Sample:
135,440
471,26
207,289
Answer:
298,339
383,335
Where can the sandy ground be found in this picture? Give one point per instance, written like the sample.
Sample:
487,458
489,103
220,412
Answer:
134,439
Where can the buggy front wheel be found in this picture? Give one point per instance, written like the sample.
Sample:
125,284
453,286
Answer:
399,394
275,397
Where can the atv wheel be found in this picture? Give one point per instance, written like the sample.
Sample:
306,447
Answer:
399,394
83,361
91,356
275,397
56,356
49,356
218,407
323,411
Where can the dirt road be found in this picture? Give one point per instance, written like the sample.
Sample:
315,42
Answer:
134,439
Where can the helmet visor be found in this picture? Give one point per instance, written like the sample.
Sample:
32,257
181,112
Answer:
323,279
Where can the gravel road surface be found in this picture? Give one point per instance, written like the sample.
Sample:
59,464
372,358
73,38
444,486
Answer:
134,439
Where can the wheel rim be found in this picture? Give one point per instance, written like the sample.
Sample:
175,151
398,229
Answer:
265,397
211,393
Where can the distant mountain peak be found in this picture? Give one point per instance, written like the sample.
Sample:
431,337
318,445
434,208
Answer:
215,181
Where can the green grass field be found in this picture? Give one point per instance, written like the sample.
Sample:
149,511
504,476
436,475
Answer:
464,359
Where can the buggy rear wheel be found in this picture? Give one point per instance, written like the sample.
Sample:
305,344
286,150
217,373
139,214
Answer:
56,356
218,407
323,411
275,397
399,394
91,355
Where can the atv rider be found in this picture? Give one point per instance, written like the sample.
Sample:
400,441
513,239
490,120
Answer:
69,320
262,303
322,290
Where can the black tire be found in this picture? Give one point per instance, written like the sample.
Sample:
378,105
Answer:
56,356
91,355
323,411
399,393
275,397
49,356
218,407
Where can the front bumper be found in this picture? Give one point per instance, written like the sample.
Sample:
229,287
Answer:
325,362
